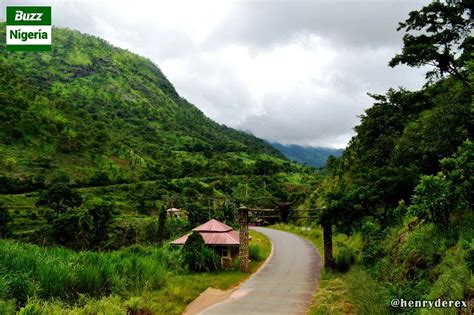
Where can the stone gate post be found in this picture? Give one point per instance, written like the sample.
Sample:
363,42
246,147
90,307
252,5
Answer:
244,239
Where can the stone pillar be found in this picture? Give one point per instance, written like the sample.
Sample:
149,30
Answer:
244,239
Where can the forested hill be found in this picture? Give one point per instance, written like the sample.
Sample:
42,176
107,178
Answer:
104,115
314,156
405,182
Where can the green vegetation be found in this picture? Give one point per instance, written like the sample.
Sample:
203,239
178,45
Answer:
5,220
95,144
134,128
89,126
61,281
197,256
259,249
28,271
134,142
404,184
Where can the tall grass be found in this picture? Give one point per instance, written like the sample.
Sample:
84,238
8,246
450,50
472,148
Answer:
28,271
255,252
128,281
368,295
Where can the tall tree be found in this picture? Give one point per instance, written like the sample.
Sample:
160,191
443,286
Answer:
60,197
102,216
439,35
73,228
162,224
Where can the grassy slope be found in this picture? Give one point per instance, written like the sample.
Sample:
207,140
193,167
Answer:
100,113
113,123
357,292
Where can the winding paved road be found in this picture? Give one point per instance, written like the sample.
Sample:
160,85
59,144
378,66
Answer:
284,285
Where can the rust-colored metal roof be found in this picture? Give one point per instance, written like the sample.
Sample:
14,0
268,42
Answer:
214,233
213,226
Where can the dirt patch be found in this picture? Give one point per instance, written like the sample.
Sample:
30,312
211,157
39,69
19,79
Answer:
207,298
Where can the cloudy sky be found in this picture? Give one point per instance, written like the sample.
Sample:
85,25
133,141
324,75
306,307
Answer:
287,71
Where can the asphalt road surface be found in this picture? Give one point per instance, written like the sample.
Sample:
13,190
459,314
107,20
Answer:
284,285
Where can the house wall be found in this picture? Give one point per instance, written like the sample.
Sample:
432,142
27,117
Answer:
232,254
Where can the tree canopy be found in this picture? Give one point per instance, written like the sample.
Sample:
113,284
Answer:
439,35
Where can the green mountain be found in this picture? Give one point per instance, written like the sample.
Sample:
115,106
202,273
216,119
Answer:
314,156
103,115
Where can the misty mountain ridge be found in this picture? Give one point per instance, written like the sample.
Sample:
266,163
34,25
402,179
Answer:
313,156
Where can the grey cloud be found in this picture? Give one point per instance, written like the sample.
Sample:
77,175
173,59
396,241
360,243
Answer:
360,22
217,91
318,125
307,118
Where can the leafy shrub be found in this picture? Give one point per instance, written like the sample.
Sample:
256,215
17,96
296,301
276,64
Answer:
445,198
133,305
7,307
469,258
10,163
211,259
423,249
236,264
197,256
344,257
255,253
372,249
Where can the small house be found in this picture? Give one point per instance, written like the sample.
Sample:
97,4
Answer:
219,236
175,213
